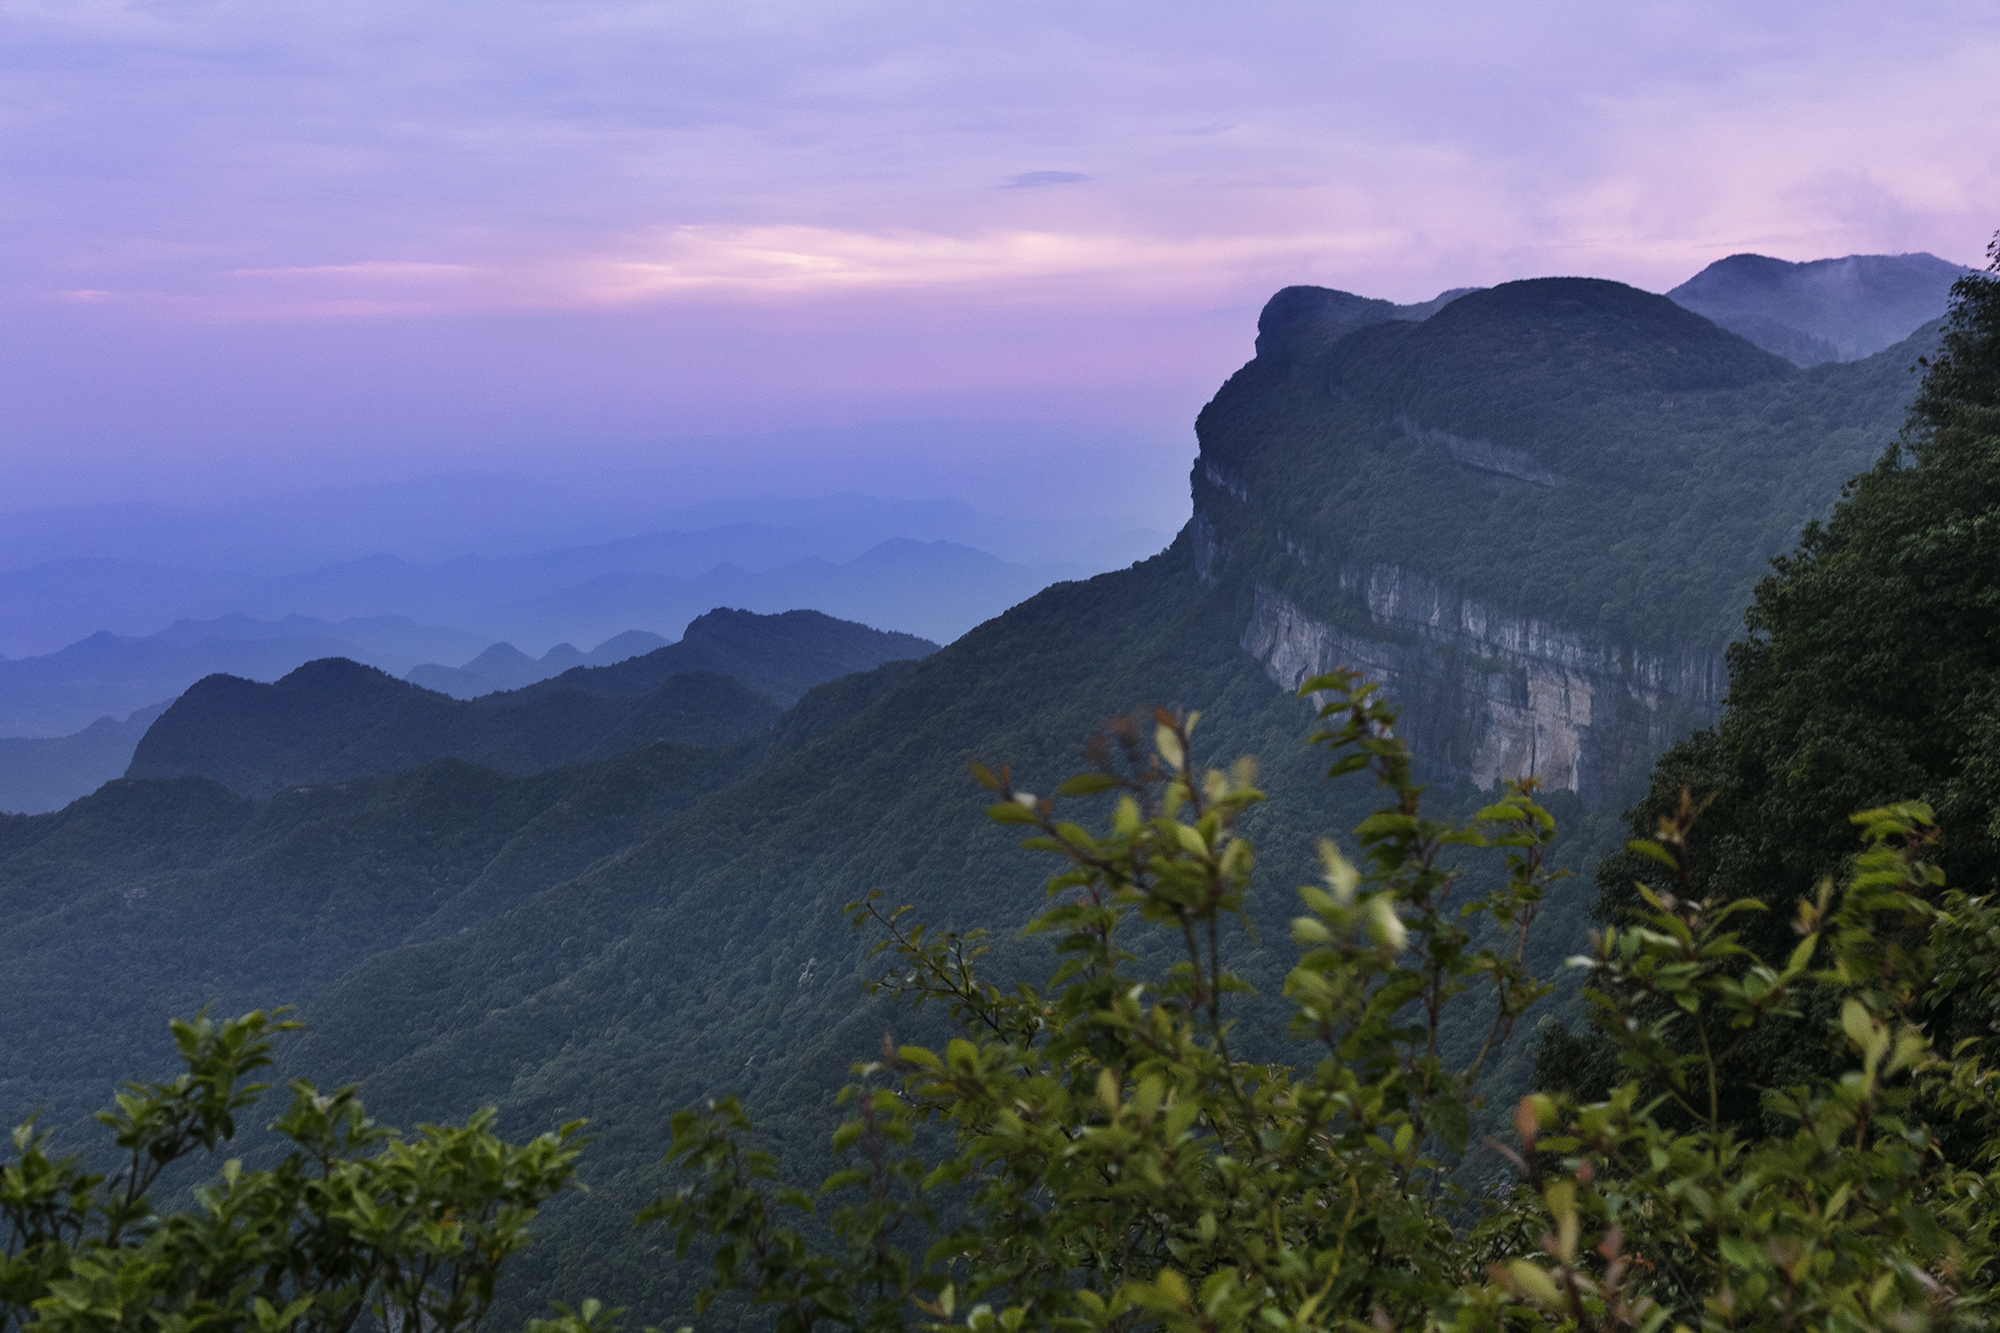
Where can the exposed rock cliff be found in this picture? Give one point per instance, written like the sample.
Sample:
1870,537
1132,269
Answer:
1534,518
1490,696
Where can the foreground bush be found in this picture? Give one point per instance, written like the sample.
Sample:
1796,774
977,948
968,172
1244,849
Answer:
1108,1164
357,1227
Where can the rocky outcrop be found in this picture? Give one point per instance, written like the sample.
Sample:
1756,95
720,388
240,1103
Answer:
1488,696
1482,455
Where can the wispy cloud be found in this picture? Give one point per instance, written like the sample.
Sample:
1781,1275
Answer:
1029,180
808,262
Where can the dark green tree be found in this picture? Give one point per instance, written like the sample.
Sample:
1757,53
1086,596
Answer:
1870,674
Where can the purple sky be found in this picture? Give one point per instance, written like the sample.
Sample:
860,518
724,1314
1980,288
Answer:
258,243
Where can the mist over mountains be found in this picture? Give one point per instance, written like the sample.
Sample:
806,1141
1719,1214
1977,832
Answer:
501,515
656,581
109,675
502,558
1824,310
1533,512
505,667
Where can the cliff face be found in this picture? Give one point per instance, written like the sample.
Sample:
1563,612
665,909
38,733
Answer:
1534,516
1490,696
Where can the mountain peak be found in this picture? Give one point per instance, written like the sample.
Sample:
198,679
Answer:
1822,309
1301,322
1544,336
341,676
500,656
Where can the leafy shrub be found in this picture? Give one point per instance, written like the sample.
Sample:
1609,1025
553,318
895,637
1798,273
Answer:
357,1227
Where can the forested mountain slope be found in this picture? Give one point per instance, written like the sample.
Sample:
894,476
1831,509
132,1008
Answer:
712,957
161,896
782,655
333,720
1534,515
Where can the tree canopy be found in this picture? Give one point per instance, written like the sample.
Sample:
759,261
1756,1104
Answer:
1870,674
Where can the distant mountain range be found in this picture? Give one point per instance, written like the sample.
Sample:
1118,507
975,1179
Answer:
779,656
335,720
1824,310
107,675
39,774
504,516
935,589
505,667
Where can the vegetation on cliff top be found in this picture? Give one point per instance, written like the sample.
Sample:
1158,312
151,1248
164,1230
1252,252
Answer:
1567,450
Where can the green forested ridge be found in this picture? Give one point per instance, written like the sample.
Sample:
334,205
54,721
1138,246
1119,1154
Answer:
1686,458
1871,672
1825,309
336,720
162,883
713,957
782,655
573,966
333,720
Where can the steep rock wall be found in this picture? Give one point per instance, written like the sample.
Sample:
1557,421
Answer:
1488,696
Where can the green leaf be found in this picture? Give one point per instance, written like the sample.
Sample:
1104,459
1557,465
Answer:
1652,851
1454,1123
1741,1253
1924,1230
847,1179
